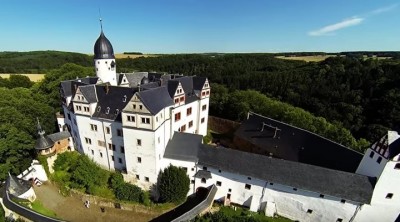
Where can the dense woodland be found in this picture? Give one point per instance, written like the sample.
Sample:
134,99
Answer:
342,98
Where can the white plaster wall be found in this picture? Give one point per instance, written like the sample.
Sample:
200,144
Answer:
289,203
202,127
29,195
104,71
369,167
381,207
85,131
117,141
60,122
147,166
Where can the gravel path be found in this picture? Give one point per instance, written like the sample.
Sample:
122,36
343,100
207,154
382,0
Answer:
72,208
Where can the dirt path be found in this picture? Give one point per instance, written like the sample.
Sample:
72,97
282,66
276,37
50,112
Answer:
72,208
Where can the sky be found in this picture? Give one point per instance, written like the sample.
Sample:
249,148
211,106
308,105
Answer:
198,26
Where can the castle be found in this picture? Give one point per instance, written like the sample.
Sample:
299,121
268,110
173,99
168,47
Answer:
139,123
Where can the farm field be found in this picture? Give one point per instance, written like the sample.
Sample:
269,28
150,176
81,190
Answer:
133,56
32,77
317,58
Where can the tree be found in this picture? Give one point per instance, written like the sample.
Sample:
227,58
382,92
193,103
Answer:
173,185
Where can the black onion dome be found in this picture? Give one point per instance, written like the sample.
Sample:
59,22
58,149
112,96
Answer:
103,48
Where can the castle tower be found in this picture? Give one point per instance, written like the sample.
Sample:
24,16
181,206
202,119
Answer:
104,59
43,144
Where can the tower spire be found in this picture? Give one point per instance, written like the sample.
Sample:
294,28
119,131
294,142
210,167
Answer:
39,127
101,21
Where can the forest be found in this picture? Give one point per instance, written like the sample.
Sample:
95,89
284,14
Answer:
351,100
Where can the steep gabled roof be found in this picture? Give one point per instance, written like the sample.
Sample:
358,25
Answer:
89,92
349,186
135,78
69,87
155,99
183,146
198,82
291,143
111,101
59,136
16,186
172,86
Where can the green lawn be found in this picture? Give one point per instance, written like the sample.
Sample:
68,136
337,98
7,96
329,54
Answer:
38,207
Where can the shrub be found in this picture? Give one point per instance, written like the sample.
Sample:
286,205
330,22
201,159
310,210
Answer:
173,185
128,192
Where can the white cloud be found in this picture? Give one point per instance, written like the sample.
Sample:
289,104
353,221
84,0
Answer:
329,29
384,9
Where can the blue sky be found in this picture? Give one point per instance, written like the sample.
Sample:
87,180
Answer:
182,26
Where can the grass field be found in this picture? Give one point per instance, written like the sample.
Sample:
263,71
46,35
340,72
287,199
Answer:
317,58
32,77
122,56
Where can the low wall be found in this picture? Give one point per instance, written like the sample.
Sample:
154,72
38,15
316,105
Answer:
23,211
193,206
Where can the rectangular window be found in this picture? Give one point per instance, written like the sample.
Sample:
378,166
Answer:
111,147
176,100
130,118
309,211
139,142
134,106
247,186
69,116
208,93
189,111
112,158
139,159
190,124
86,109
339,220
203,93
202,120
183,128
93,127
79,108
342,201
379,160
203,180
389,196
371,154
182,99
92,152
122,148
321,195
101,143
137,177
177,117
119,132
219,183
119,160
146,179
145,120
204,107
88,140
101,154
204,168
108,130
192,181
140,107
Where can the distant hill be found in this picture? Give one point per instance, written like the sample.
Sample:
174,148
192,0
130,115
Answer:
40,61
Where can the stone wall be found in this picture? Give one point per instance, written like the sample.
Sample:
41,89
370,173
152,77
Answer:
220,125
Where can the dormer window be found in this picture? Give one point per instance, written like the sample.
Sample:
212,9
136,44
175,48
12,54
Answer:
108,110
124,98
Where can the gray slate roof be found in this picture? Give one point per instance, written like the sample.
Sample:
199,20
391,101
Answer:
111,97
59,136
89,92
296,144
155,99
349,186
17,186
203,174
183,146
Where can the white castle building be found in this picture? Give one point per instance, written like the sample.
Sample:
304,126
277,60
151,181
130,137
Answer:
139,123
